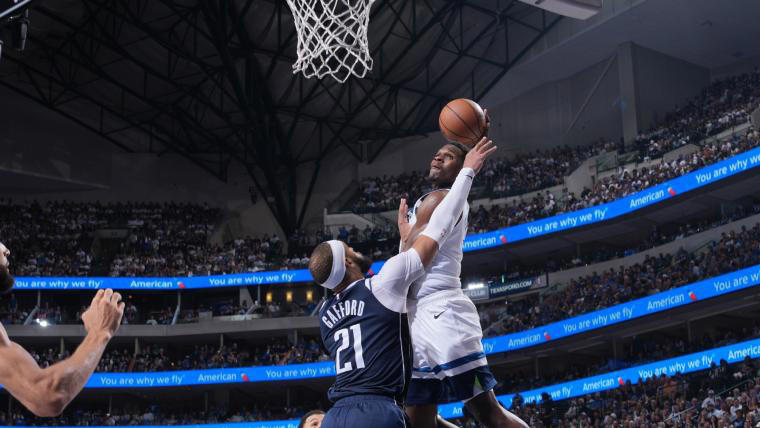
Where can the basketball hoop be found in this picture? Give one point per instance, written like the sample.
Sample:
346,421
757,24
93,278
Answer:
332,38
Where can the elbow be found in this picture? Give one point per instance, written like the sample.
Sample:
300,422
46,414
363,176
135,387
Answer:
50,400
48,407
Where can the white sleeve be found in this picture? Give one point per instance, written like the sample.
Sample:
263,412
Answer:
391,285
451,207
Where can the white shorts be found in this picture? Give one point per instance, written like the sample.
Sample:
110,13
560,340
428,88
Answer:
446,335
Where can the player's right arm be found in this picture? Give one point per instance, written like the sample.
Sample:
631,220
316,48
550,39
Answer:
46,392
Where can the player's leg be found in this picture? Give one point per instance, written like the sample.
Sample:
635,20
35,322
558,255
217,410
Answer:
424,389
332,417
366,411
447,355
450,363
490,413
443,423
422,416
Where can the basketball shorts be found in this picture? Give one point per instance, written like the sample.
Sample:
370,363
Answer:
449,361
366,411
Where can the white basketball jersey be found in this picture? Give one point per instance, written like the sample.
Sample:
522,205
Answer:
443,273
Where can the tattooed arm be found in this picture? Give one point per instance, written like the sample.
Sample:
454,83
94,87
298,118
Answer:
46,392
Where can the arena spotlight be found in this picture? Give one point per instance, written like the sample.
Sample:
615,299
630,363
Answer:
42,323
474,285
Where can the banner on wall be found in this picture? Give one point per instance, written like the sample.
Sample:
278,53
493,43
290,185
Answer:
169,283
212,376
498,289
576,388
683,364
475,294
666,300
702,177
661,192
687,294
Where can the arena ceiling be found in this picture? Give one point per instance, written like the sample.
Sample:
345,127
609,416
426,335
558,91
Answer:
212,81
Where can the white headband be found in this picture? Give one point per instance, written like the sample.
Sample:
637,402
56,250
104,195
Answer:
338,265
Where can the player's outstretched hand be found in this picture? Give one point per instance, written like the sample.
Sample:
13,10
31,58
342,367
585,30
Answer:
403,220
104,314
477,156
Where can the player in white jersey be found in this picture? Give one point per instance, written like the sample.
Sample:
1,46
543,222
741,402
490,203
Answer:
449,361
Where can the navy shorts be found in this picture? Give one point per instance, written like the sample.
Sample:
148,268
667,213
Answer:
365,411
461,387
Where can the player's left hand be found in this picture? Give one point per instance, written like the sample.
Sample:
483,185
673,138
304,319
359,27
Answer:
403,220
477,156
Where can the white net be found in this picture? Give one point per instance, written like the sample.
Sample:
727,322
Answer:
332,38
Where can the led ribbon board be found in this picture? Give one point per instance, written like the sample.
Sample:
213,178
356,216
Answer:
702,177
683,364
576,388
688,294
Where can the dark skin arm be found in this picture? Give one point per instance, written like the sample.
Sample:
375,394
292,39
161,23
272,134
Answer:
410,233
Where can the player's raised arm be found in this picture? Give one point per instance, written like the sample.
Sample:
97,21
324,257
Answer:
46,392
398,273
450,207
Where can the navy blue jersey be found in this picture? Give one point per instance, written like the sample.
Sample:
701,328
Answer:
367,341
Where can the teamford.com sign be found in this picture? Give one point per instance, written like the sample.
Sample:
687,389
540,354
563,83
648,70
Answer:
518,286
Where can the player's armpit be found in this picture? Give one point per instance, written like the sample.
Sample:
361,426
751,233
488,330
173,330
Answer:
423,214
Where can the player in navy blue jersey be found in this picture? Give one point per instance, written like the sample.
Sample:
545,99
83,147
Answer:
362,323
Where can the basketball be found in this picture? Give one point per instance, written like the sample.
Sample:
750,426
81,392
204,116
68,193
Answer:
462,121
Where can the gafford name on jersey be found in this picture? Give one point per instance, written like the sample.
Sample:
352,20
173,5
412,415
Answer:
341,310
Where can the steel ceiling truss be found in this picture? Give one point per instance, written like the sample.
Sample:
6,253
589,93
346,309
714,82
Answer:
195,78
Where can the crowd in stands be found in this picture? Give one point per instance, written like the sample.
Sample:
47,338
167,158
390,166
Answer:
641,350
725,103
379,242
172,239
56,238
493,316
49,239
501,177
623,183
723,396
154,358
680,401
254,310
735,250
168,239
153,414
656,237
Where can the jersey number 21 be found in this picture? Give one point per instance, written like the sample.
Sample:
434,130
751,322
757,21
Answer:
342,335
